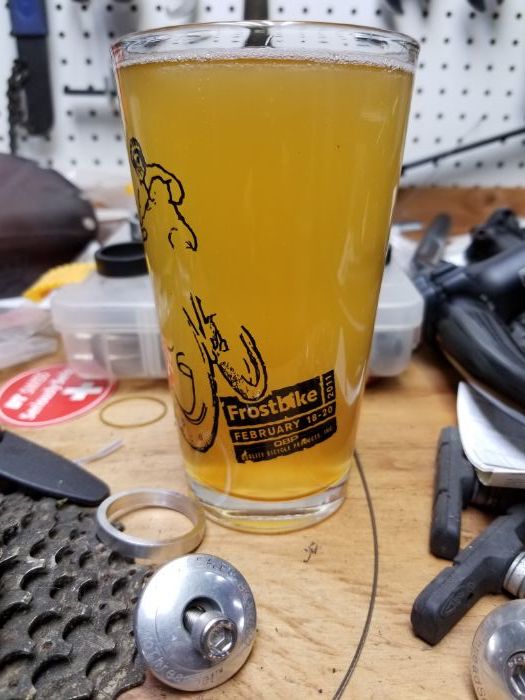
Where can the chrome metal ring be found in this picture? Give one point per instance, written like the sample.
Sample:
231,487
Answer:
125,502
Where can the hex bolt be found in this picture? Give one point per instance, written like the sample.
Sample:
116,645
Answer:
212,634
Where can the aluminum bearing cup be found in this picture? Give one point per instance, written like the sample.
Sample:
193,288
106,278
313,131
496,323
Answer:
498,654
195,622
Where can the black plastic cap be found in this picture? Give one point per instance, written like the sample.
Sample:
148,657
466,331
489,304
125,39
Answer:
121,260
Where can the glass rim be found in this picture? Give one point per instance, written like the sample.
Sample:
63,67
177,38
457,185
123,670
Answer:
403,41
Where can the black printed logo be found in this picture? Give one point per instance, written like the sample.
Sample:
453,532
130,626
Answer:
261,427
156,191
287,420
198,415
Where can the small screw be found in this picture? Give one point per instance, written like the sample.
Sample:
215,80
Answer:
213,634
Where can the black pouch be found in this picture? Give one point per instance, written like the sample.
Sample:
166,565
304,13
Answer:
44,221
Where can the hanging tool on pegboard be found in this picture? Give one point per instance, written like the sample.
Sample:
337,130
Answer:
29,88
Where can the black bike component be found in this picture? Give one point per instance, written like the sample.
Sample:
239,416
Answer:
67,605
501,231
479,342
456,486
453,488
36,469
469,311
479,569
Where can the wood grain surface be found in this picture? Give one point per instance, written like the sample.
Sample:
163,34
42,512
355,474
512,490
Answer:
312,587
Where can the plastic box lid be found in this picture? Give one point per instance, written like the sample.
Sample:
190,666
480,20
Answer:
106,304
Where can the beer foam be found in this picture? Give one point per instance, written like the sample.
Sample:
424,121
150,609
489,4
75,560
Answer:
247,54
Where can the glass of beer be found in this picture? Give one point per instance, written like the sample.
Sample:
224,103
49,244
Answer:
265,158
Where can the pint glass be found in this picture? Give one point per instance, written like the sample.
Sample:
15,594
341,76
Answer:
265,158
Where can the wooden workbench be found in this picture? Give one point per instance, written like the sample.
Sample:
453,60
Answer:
313,587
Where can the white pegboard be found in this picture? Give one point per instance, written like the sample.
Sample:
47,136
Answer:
470,83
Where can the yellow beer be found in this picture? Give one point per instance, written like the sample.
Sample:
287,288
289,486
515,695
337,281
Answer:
265,188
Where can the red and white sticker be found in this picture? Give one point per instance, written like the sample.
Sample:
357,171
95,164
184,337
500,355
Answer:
50,395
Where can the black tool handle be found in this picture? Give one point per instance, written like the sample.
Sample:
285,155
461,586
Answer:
479,569
453,489
37,469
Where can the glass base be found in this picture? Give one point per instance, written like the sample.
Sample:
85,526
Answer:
269,516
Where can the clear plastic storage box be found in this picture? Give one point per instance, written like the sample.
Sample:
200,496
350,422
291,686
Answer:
109,325
397,329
